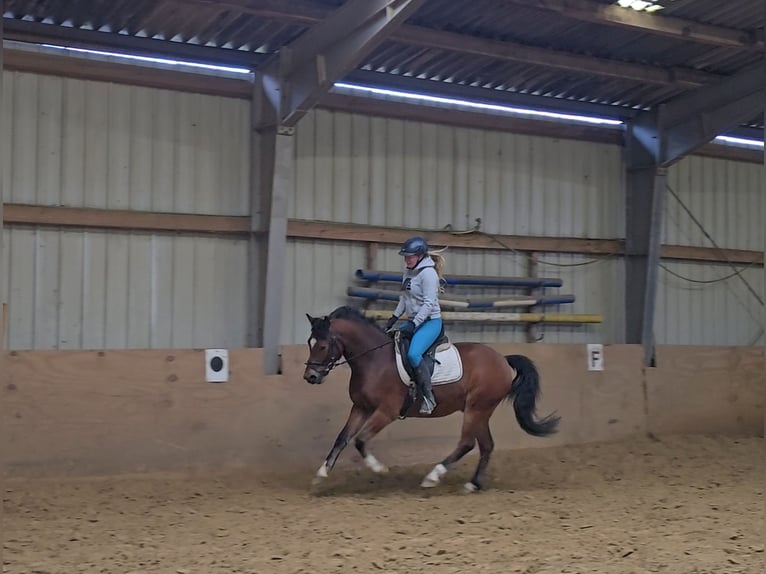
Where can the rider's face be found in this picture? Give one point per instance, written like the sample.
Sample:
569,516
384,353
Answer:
410,261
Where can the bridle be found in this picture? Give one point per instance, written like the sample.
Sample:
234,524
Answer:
323,368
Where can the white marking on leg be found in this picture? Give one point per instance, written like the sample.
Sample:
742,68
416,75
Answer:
470,487
434,477
374,464
321,475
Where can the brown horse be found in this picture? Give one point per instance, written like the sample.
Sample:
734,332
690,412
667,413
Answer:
378,393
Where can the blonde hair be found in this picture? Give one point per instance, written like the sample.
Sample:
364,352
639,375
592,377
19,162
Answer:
439,261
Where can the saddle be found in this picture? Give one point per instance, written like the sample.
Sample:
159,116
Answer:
441,358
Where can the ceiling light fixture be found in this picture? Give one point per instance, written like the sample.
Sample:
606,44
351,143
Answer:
641,5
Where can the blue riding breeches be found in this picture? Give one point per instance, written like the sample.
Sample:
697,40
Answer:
424,337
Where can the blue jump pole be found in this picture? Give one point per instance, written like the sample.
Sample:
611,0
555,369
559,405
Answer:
369,275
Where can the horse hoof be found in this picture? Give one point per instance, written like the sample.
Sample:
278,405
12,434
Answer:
434,477
317,480
470,487
375,465
428,483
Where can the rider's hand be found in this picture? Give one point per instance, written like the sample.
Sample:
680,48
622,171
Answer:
390,323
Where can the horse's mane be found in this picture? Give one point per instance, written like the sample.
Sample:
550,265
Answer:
353,314
320,328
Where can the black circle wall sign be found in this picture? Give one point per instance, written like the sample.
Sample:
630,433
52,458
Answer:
216,363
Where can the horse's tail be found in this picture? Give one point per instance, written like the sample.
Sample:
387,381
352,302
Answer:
524,392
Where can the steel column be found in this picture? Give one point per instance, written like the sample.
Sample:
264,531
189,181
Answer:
654,141
3,267
645,206
3,326
286,86
763,214
272,173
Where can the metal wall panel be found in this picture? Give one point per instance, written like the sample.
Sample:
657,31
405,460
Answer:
724,196
710,303
359,169
366,170
94,144
92,290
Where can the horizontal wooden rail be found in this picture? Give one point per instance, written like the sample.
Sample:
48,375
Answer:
123,73
393,235
712,254
125,220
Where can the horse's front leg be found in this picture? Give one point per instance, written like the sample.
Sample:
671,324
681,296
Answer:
356,419
374,424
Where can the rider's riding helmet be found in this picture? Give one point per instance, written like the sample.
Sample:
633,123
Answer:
414,246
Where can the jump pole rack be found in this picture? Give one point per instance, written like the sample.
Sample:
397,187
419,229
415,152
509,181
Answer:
486,307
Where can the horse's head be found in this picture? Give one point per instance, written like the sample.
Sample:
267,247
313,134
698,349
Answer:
325,350
345,332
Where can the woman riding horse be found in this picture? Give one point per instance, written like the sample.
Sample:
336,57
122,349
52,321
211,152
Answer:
420,299
378,393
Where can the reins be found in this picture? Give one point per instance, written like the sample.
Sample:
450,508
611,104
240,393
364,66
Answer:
326,368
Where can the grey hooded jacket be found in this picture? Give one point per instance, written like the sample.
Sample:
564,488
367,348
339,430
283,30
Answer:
420,293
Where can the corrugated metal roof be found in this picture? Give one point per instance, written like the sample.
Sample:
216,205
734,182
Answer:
643,68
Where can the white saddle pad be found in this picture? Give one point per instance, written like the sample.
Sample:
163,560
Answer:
447,369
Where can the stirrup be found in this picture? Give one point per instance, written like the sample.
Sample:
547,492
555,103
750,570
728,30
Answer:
427,406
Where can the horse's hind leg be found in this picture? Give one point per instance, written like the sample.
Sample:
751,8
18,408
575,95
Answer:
486,445
464,446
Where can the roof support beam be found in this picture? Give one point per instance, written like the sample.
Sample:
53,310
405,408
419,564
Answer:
658,23
689,121
303,71
696,131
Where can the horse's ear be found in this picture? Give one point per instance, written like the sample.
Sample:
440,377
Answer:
311,319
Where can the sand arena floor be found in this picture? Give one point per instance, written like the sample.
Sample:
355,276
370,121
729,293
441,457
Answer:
673,504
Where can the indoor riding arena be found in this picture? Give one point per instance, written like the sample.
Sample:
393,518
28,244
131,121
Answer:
199,196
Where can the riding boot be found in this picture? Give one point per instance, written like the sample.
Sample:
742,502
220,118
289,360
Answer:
423,379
